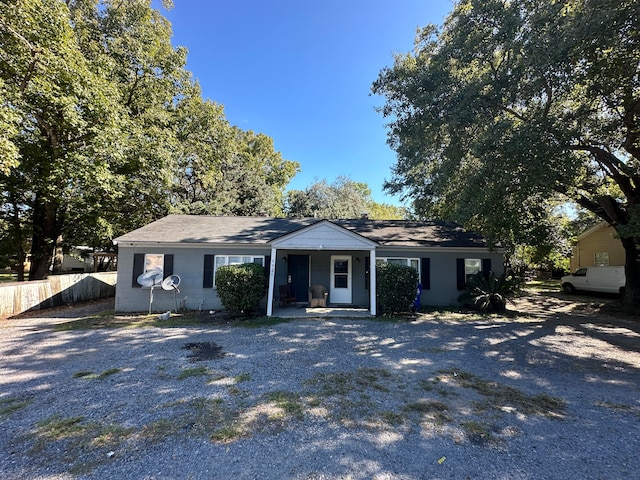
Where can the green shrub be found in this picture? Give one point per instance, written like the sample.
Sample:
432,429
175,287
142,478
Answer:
241,287
396,288
489,293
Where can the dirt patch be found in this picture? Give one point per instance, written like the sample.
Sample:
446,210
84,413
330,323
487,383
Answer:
201,351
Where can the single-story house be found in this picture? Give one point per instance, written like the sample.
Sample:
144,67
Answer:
599,246
298,252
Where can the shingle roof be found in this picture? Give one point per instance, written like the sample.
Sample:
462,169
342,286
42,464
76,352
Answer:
198,229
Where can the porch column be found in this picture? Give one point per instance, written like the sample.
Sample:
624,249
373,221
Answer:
372,281
272,277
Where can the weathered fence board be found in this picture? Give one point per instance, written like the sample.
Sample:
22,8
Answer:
18,297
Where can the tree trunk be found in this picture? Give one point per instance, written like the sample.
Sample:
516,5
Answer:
45,231
631,297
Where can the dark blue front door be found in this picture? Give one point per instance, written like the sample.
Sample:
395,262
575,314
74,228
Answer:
299,271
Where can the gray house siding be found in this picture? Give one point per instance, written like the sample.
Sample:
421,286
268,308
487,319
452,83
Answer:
441,250
189,264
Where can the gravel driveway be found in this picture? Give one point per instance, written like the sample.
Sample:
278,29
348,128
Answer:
552,392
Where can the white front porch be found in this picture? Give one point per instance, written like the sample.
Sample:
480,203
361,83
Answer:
303,311
334,247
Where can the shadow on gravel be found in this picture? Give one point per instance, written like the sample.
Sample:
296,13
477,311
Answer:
408,392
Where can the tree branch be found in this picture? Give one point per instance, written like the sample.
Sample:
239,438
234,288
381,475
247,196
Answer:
621,173
633,132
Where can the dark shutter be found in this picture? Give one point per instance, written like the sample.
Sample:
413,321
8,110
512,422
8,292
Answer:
425,273
138,269
461,277
267,268
486,266
207,278
167,268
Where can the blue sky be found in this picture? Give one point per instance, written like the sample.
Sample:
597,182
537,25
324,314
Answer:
301,71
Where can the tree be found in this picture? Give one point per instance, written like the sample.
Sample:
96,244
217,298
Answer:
223,170
344,198
511,103
92,87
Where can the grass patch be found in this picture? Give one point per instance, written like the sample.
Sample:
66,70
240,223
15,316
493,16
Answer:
478,432
542,285
426,407
392,418
505,398
243,377
6,277
619,407
108,319
193,372
259,322
89,375
79,445
11,405
288,402
343,383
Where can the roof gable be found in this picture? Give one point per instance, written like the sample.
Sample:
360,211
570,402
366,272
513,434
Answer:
323,235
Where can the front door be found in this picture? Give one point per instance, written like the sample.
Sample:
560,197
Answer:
340,290
298,270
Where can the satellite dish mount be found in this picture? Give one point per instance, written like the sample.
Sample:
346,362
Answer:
151,279
171,283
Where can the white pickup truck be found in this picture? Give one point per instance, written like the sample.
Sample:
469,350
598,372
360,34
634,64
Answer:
595,279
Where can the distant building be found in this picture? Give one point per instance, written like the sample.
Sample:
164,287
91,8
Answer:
598,246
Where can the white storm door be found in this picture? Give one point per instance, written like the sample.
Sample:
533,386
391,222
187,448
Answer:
340,290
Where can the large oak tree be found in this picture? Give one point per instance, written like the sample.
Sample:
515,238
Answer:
102,130
512,103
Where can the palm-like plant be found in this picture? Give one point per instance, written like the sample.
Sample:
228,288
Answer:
490,293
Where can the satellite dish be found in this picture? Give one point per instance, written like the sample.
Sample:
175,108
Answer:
171,282
150,278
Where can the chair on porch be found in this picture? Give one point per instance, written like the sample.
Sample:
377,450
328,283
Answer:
286,294
318,296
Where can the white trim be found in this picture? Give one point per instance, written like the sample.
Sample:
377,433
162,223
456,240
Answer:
210,246
315,237
372,282
272,277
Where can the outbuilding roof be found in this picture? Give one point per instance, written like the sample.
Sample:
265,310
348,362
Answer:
206,229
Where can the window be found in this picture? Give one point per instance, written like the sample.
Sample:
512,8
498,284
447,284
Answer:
601,259
471,267
154,261
410,262
467,267
147,262
221,260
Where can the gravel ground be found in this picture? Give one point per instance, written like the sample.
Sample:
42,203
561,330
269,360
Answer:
552,393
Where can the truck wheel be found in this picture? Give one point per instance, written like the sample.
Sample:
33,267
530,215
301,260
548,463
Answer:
568,288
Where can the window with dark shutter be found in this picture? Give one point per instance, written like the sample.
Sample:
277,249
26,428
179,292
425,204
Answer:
425,273
460,274
207,277
168,266
486,266
138,269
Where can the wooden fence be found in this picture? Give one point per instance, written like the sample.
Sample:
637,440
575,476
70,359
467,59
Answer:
18,297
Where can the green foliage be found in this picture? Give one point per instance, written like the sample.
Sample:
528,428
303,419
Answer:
241,287
344,198
102,130
489,293
396,288
513,103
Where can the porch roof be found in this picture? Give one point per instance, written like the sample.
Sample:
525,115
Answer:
230,230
